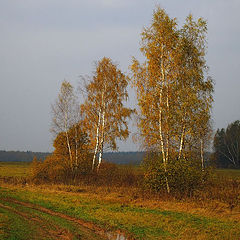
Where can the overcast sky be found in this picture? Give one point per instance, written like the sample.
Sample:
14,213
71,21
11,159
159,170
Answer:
43,42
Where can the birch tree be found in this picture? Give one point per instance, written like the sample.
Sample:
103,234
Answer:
106,116
196,88
172,90
67,116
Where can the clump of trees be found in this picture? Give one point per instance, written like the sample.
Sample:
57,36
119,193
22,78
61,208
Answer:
63,165
226,146
174,94
81,131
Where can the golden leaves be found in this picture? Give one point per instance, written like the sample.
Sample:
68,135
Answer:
172,80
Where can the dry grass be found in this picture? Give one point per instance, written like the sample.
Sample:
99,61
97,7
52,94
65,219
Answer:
140,214
215,207
14,169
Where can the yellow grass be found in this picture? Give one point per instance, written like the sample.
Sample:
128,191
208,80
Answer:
14,169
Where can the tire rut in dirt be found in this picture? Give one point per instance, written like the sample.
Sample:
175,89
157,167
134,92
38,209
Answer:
45,229
88,229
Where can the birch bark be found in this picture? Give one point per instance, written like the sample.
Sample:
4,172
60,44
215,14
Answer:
182,136
97,139
102,141
68,142
164,156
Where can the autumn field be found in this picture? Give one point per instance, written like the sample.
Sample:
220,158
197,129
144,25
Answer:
47,211
14,169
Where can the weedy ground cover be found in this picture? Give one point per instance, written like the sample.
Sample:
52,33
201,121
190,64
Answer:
140,221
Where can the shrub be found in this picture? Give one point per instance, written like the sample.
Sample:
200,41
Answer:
184,175
55,169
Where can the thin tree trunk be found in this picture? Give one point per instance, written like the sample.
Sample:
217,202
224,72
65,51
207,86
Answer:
229,151
76,147
168,109
100,156
162,148
160,129
102,140
235,151
182,136
97,139
68,143
231,160
69,151
181,141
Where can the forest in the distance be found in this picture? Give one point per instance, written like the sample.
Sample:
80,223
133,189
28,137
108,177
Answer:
132,158
21,156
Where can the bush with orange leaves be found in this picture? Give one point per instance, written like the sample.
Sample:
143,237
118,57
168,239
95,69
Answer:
67,163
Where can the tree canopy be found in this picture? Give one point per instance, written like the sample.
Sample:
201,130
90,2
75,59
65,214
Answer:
105,113
174,94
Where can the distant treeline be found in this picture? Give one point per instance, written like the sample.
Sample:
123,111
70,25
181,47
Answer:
133,158
19,156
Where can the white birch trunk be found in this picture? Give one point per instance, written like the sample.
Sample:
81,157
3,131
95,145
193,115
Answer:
68,143
97,140
160,128
100,157
168,108
102,140
181,141
76,147
162,147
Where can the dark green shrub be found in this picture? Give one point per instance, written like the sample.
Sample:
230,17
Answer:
184,175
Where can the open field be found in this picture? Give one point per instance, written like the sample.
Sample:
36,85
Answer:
21,169
89,212
14,169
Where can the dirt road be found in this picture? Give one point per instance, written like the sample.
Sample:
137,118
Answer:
44,223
